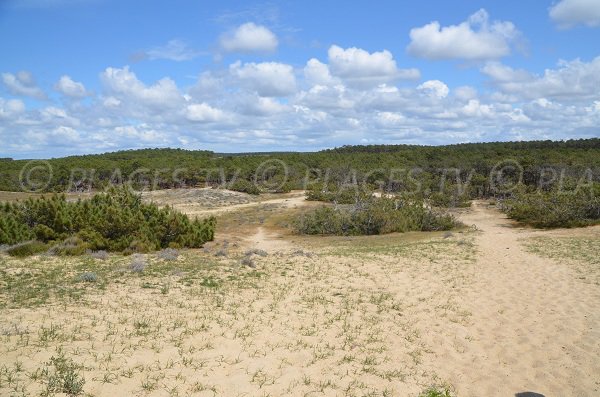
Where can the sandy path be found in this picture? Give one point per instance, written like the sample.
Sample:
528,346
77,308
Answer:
271,241
535,327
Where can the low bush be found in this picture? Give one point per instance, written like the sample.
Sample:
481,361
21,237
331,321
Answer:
256,251
244,186
337,194
555,209
138,264
101,255
374,216
169,254
115,221
72,246
88,277
27,248
448,199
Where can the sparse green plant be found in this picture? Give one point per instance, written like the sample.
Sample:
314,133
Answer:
168,254
63,376
138,263
248,261
27,248
436,391
88,277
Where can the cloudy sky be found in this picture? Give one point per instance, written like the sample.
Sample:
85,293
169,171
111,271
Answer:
89,76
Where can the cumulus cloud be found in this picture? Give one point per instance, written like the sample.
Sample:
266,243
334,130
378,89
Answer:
268,79
202,112
11,108
248,38
22,84
361,68
266,106
474,39
568,13
70,88
124,84
317,73
571,80
254,105
434,88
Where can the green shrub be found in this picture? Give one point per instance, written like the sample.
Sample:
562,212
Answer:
374,216
337,194
114,221
555,209
27,248
88,277
448,199
244,186
72,246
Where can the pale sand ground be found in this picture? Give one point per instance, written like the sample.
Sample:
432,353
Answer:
376,316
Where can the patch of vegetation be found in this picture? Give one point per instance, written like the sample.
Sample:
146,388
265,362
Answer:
436,391
374,216
88,277
554,209
584,251
244,186
332,193
114,221
27,248
62,375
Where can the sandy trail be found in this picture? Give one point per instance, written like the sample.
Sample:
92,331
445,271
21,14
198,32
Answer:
535,326
271,241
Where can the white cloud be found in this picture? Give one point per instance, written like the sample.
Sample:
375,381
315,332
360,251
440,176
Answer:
139,133
361,68
572,80
23,84
267,79
266,106
202,112
249,37
111,102
434,88
473,39
465,93
124,85
254,105
67,135
568,13
317,73
174,50
505,74
70,88
11,108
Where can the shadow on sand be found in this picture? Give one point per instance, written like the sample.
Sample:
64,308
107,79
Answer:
529,394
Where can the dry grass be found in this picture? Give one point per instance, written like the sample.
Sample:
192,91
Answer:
582,253
205,325
335,316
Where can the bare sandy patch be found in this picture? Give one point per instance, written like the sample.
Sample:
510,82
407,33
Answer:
479,311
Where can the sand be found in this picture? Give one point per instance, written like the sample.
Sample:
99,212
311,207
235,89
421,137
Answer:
475,311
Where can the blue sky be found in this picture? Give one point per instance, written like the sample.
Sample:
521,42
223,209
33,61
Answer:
88,76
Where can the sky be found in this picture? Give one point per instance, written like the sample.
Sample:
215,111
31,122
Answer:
92,76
